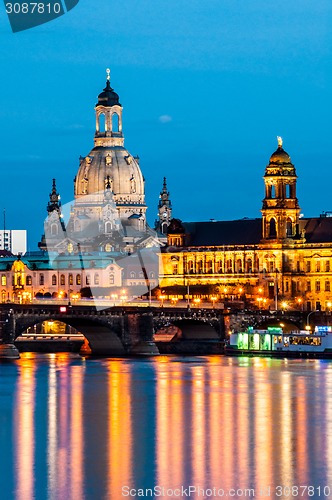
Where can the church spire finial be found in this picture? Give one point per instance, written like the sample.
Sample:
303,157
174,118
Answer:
279,141
108,73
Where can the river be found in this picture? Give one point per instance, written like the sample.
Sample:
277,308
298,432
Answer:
74,428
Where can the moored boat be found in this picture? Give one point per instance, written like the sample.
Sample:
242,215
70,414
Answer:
274,342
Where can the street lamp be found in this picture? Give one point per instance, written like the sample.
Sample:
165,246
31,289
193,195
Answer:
213,300
162,298
197,302
308,316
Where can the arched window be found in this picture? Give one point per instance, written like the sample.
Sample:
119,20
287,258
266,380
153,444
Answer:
239,265
272,228
190,267
3,280
41,279
132,275
229,266
96,279
70,279
102,123
54,229
151,274
54,279
199,267
249,266
289,227
115,122
87,279
28,280
108,227
175,268
288,191
78,279
273,191
111,278
3,296
62,279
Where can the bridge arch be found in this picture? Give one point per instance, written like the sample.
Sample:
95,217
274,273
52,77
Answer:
104,338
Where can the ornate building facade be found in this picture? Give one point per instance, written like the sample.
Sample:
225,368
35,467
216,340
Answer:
277,261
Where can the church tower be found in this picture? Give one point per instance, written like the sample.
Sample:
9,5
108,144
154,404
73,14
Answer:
164,210
54,226
281,209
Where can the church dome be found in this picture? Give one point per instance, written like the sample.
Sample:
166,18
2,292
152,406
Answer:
108,97
280,156
113,166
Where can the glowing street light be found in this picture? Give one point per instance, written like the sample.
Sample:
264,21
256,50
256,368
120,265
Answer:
162,298
114,297
197,301
213,300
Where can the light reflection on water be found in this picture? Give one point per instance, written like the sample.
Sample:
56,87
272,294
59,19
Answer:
76,429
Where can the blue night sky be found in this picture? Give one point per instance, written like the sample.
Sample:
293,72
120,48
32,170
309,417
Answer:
206,88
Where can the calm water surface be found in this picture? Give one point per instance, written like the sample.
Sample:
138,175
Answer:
75,429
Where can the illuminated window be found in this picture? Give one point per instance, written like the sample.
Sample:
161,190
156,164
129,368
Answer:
62,279
3,280
199,267
317,266
78,279
54,279
96,279
70,279
28,280
41,279
175,269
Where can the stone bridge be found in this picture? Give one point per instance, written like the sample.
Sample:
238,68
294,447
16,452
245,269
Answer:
117,331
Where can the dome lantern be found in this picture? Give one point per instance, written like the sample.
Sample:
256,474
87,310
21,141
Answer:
108,117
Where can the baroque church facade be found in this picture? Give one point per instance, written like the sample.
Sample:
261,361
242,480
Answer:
280,260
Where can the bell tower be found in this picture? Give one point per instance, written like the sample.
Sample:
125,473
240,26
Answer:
280,209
